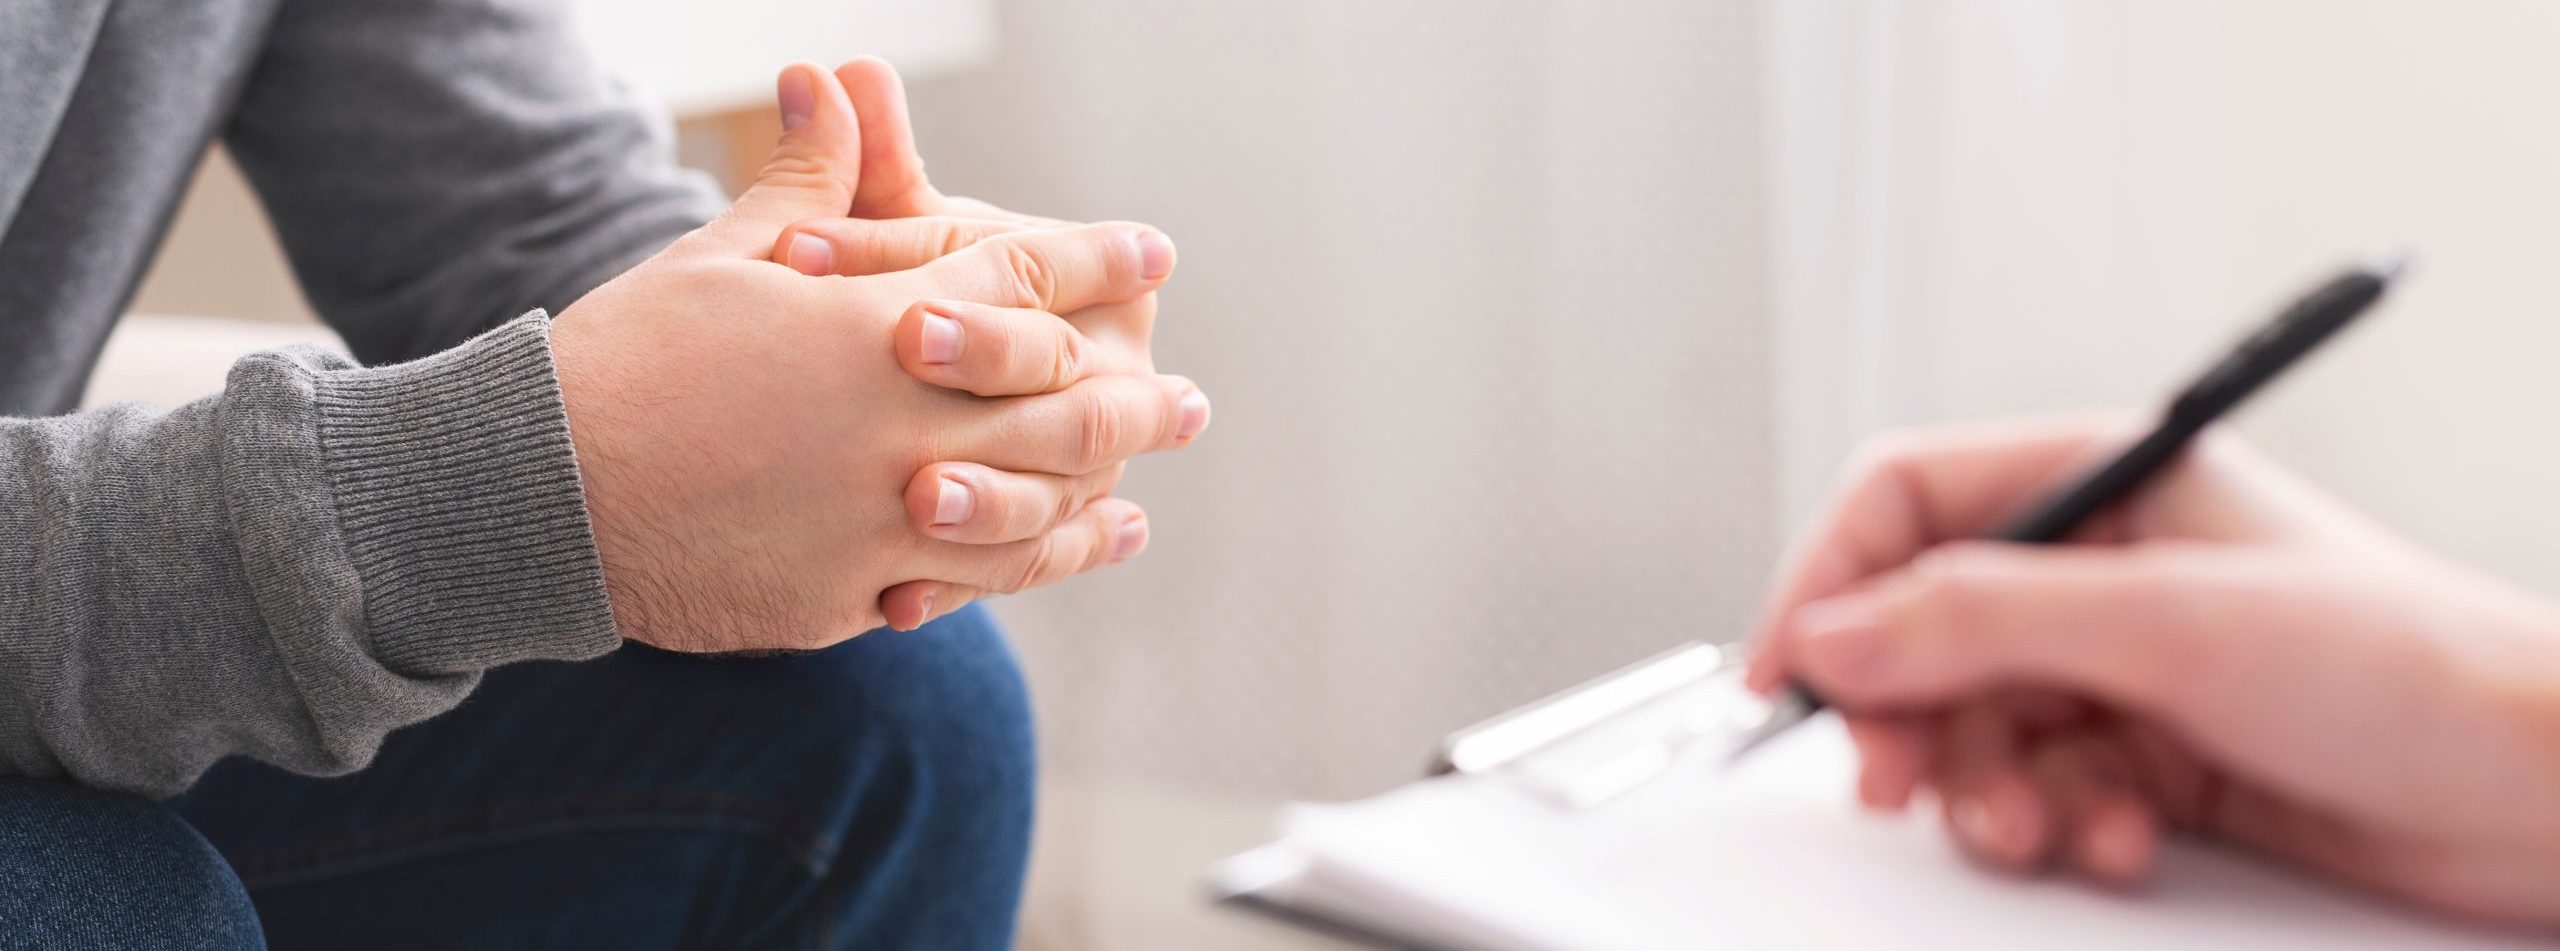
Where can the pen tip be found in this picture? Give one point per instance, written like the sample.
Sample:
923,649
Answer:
1759,735
2389,265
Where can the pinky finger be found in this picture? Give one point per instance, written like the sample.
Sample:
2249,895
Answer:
2117,840
1895,756
2109,834
915,604
2003,821
1107,532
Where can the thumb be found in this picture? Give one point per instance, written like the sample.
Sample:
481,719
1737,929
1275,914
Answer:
2138,627
893,180
814,172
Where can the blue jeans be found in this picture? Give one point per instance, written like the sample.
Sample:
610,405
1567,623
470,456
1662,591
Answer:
875,795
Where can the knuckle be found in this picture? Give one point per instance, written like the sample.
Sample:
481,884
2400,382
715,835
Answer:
1115,249
1032,278
1064,507
790,164
908,245
1100,427
1099,529
1043,559
804,170
1067,358
1006,352
1951,590
1881,456
956,235
868,248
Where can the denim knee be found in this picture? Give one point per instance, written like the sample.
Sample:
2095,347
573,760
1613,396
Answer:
928,737
937,717
85,868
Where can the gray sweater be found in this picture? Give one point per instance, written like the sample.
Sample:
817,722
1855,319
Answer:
324,551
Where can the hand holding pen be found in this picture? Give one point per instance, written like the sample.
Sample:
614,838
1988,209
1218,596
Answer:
2069,707
2293,334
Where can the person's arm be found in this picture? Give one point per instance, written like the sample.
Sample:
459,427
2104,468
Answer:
326,552
436,167
288,570
2232,655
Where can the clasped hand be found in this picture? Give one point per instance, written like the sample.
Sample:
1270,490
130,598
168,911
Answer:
795,424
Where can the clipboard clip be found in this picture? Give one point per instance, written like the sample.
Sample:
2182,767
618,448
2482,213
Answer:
1594,742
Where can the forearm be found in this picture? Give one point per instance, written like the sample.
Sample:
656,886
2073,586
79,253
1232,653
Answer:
433,167
288,570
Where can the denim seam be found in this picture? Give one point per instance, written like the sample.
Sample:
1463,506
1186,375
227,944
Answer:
815,858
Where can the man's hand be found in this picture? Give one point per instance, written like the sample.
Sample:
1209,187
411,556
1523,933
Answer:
752,447
2232,655
988,351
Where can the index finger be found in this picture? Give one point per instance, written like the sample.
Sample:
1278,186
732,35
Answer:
1053,269
1097,423
1911,491
855,247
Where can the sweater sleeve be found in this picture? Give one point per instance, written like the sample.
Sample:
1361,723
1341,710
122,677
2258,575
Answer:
433,166
290,569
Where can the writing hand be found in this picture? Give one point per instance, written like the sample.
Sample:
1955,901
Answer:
2231,655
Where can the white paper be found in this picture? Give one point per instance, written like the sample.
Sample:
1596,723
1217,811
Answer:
1773,854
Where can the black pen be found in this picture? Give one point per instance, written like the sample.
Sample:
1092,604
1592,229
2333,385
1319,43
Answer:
2313,319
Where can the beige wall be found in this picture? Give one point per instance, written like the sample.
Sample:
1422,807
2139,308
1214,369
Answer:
2023,205
221,258
1477,286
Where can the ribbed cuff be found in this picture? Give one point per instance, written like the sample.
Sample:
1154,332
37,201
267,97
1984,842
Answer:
458,492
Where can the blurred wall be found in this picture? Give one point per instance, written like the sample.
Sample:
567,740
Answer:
1477,288
2023,205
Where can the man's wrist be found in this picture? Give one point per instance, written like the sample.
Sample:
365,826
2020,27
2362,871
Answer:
458,493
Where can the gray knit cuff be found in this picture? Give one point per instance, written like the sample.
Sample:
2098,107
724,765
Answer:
458,492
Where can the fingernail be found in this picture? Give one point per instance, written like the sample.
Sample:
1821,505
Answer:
812,255
952,501
1131,540
1871,790
2120,849
924,610
1973,821
1155,254
2012,823
941,339
799,96
1840,638
1195,416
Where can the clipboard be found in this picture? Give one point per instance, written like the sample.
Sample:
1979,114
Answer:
1575,750
1605,817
